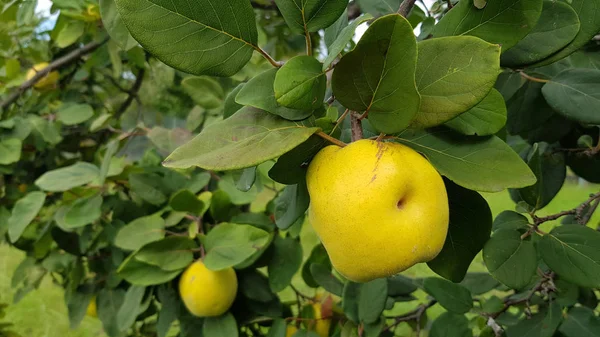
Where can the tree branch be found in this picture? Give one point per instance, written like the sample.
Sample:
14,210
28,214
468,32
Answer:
56,64
405,7
413,315
133,94
356,126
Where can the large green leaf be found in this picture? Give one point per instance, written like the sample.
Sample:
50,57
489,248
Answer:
291,204
378,75
558,25
143,274
75,114
543,324
342,39
451,325
221,326
453,75
310,15
82,212
200,37
23,213
589,18
140,232
246,139
575,94
573,252
503,22
130,308
259,93
10,151
284,263
291,167
550,169
148,187
510,220
108,303
65,178
205,91
229,244
510,259
300,83
527,109
469,230
115,26
483,164
581,322
484,119
371,301
170,254
453,297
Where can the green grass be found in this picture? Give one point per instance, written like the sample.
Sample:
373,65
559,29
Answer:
42,313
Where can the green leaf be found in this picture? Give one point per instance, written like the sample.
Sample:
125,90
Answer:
169,304
484,119
332,32
318,255
399,285
77,304
230,106
527,109
550,170
378,75
291,204
291,167
221,326
500,22
453,75
543,324
70,32
23,213
83,211
244,179
450,324
236,196
580,322
140,232
186,201
558,25
229,244
148,187
479,283
65,178
130,307
75,114
259,93
168,140
284,263
170,254
379,7
300,83
199,38
324,277
469,230
205,91
573,252
114,25
342,39
143,274
454,297
108,162
510,259
108,303
589,18
575,94
47,130
223,145
371,301
278,328
510,220
310,15
350,299
483,164
10,151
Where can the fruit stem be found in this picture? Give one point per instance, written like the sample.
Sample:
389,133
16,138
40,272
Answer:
331,139
356,126
533,79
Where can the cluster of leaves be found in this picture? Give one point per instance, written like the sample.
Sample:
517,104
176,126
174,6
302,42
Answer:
497,95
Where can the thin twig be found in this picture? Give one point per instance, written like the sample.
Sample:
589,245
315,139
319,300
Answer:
533,79
331,139
339,121
54,65
308,42
133,94
268,57
413,315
